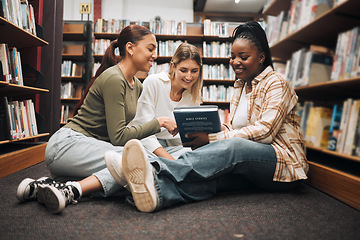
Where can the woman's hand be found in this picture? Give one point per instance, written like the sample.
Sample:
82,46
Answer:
169,124
199,139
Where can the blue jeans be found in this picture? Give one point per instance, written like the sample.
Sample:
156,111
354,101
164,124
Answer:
70,155
231,164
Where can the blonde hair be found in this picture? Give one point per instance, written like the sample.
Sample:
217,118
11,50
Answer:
183,52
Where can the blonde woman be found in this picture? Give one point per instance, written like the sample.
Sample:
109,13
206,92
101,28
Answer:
163,92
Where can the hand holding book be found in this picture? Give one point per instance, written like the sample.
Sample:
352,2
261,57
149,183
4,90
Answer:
196,123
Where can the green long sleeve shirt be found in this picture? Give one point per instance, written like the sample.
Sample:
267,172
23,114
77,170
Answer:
109,107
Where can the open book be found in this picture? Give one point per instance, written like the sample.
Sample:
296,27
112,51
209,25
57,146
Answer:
197,119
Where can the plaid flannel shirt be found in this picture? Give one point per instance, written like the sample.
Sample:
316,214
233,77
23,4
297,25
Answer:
272,119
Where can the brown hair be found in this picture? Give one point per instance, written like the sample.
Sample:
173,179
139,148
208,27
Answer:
131,33
183,52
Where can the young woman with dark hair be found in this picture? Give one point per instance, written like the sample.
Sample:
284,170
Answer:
262,147
75,153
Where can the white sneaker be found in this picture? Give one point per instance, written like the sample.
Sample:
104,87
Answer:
139,175
113,162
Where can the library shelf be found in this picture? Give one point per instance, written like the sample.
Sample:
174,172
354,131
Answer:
70,99
24,138
17,154
218,103
17,37
276,6
77,48
331,172
321,31
218,81
72,79
12,90
338,89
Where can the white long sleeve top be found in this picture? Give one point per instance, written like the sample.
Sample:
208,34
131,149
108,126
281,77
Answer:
155,102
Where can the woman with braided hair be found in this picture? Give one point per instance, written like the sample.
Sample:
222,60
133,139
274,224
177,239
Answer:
76,152
262,147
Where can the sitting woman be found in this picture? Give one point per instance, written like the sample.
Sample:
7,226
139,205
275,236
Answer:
163,92
75,155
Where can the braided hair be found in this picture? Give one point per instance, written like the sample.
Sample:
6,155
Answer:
253,32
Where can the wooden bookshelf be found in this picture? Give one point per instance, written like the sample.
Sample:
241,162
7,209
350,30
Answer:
17,154
77,47
331,172
276,6
196,38
321,31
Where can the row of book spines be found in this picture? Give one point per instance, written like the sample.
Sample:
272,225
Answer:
20,13
217,93
224,115
71,69
168,48
20,118
70,90
301,12
347,55
216,28
336,128
309,66
11,65
168,27
65,113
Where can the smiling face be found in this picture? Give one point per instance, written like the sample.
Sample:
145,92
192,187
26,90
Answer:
186,73
144,53
246,60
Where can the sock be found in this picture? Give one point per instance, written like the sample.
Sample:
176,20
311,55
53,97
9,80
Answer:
76,189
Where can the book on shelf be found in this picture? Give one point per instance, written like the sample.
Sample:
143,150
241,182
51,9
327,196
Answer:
318,125
334,127
356,144
6,132
197,119
344,124
5,62
351,130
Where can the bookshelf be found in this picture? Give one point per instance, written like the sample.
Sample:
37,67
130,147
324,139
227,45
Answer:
22,152
194,36
331,172
77,64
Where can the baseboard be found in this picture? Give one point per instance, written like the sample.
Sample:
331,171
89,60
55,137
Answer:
342,186
22,155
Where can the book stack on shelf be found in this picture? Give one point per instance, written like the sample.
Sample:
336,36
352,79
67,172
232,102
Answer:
330,106
77,64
